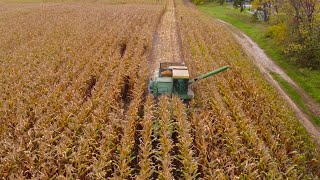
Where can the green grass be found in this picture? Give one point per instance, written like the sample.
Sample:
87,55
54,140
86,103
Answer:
307,79
295,96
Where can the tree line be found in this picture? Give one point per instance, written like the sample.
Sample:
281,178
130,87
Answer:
294,25
296,28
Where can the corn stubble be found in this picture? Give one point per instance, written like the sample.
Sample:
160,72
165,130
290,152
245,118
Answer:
74,102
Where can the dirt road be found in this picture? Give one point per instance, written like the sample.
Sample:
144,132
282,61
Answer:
266,67
166,47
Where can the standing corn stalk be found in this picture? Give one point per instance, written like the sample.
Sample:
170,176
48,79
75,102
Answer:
189,169
146,166
165,141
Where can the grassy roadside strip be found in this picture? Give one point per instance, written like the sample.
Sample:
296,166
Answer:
295,96
307,79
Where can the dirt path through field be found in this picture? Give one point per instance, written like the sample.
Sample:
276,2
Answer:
166,47
267,66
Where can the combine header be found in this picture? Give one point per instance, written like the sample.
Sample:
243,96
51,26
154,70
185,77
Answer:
173,79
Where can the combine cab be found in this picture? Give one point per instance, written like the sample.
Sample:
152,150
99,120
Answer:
173,78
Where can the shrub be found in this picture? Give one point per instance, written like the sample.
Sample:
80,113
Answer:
304,47
277,32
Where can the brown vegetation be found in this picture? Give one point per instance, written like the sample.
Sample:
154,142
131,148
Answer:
54,55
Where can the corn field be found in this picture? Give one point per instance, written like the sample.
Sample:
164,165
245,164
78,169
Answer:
74,104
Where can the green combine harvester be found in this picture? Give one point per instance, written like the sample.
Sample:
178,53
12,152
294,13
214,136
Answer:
173,79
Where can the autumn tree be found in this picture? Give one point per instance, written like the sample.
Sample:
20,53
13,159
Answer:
269,7
304,10
304,32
